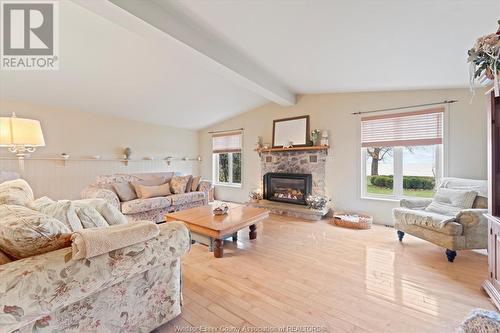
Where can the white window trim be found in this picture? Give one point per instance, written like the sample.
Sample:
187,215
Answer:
442,170
215,173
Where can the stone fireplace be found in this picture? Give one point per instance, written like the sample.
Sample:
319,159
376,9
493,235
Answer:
287,187
289,175
297,162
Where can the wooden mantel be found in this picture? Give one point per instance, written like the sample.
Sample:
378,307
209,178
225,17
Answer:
280,149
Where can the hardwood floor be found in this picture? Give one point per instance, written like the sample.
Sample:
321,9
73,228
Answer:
317,274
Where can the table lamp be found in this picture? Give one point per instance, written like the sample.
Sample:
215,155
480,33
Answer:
21,136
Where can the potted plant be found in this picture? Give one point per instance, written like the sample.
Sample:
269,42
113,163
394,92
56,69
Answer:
255,196
315,137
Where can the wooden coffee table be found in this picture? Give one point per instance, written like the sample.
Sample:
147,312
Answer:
214,228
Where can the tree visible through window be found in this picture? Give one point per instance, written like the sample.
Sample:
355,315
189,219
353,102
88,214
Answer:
227,158
418,170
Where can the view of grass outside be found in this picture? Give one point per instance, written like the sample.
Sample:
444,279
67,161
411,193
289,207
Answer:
380,190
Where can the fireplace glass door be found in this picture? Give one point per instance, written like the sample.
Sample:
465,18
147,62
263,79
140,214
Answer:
287,187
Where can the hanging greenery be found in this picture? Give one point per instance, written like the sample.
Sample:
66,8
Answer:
484,59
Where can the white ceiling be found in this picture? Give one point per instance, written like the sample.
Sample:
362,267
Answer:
355,45
107,69
308,46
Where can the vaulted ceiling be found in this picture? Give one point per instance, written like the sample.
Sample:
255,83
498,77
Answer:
191,63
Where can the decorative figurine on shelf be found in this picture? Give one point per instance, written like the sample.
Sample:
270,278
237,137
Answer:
324,138
64,156
221,210
315,137
127,152
317,201
288,144
258,143
266,146
255,196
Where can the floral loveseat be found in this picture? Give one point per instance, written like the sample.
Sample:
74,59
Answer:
131,289
134,289
152,209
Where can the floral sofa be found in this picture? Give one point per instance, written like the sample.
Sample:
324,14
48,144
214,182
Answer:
131,289
134,289
153,209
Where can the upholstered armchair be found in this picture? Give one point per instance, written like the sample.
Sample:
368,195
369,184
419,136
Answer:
465,231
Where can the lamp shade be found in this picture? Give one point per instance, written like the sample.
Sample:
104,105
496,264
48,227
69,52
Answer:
20,132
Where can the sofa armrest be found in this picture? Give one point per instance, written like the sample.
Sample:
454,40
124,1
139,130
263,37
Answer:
205,186
34,287
415,203
472,217
94,192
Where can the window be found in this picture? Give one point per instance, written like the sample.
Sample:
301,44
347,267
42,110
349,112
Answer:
402,154
227,158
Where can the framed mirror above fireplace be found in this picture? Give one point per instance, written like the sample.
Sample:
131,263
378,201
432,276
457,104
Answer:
294,131
287,187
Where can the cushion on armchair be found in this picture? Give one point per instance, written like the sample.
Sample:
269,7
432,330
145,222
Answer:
451,201
427,220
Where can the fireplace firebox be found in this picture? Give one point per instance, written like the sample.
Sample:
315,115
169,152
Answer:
287,187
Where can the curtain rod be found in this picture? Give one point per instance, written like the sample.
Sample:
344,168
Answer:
231,130
406,107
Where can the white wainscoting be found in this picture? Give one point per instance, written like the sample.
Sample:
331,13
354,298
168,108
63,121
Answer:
59,179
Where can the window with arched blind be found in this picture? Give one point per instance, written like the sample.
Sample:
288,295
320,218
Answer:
227,152
402,153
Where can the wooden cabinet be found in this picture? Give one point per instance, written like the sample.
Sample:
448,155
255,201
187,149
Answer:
492,285
493,153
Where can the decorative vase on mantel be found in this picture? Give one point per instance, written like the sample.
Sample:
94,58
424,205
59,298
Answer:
316,137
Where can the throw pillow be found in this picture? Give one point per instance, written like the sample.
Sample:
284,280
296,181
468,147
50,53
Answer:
15,192
189,184
63,211
24,232
125,191
450,202
4,258
146,192
110,213
153,181
196,182
90,217
178,184
40,202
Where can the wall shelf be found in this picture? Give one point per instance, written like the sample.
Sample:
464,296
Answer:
83,159
281,149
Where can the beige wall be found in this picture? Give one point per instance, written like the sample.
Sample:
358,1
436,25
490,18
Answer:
465,151
83,135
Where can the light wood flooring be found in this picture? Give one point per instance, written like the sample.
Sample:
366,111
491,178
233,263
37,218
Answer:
317,274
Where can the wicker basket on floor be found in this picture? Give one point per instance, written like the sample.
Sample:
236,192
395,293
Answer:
360,221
